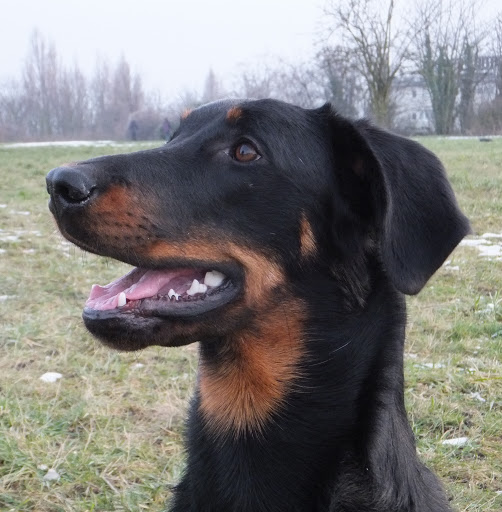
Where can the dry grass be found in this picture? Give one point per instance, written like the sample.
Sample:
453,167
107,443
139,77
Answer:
112,425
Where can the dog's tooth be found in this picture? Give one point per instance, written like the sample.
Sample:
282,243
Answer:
214,278
194,288
172,294
202,288
122,300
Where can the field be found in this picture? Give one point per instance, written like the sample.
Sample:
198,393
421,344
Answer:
109,431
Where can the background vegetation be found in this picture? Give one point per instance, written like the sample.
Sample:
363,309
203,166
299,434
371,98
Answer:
111,427
369,52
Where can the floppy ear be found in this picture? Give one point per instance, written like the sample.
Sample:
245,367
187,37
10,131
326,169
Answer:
399,191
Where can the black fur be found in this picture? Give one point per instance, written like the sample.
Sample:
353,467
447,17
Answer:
383,218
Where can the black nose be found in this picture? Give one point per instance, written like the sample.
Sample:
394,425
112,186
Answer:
70,185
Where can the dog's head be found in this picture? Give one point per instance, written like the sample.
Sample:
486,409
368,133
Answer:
247,199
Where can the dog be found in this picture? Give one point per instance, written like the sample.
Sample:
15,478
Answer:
283,240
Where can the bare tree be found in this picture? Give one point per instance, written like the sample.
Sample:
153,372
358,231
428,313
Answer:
497,51
115,94
12,112
213,89
72,107
127,88
489,115
341,80
126,98
445,50
470,77
40,84
307,84
55,98
300,84
100,99
256,84
368,30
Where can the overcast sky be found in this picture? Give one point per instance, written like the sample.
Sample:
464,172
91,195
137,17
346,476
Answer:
171,43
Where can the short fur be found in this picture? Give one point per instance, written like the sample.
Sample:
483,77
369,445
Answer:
299,401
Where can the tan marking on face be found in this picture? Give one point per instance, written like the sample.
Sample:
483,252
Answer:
307,239
115,200
234,114
261,274
118,205
251,384
120,218
186,113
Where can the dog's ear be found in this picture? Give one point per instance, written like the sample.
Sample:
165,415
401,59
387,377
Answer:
398,196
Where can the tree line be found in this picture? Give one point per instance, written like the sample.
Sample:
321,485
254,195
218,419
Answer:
367,55
52,101
442,44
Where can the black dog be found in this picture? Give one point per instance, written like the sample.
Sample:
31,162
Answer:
283,240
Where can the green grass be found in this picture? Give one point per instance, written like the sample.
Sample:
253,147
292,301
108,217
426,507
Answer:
112,425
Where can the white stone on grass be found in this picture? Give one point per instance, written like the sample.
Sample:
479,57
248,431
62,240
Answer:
478,397
51,475
51,377
458,441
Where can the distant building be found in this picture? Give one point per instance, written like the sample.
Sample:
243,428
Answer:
489,76
412,104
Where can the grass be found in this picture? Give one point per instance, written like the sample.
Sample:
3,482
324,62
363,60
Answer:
112,425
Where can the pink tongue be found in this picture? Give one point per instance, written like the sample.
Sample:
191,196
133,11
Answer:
140,284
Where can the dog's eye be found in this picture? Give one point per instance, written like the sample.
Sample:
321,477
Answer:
245,152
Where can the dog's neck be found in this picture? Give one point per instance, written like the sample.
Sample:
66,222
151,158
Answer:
266,392
249,378
245,378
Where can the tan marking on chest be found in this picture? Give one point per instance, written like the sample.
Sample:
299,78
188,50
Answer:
251,383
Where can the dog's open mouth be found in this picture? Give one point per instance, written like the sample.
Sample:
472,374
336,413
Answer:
170,292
